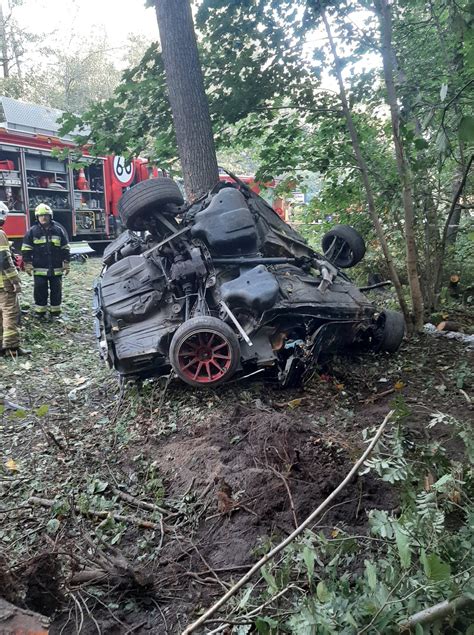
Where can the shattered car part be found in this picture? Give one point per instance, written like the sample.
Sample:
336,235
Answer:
225,286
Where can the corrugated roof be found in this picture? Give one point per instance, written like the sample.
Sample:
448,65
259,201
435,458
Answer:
30,118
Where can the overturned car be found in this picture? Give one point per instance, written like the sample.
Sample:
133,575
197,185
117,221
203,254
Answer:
225,287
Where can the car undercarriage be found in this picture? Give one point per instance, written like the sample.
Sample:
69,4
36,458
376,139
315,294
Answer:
224,287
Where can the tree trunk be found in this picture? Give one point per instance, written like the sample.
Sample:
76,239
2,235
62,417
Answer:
444,239
188,101
3,48
402,164
365,173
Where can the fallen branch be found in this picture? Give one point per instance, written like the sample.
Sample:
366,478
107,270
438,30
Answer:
377,395
436,612
192,627
87,575
112,567
253,612
134,520
139,503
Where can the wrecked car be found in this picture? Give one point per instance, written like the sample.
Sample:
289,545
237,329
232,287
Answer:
224,288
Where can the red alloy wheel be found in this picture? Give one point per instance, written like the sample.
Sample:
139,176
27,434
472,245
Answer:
205,357
204,351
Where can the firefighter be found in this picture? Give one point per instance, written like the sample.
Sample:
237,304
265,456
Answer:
46,255
10,287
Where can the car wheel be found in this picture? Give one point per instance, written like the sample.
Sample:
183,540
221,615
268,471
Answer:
390,331
343,246
204,352
146,197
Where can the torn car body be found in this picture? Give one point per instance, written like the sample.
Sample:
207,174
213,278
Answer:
228,288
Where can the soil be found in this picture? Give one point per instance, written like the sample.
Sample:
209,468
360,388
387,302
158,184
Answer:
233,469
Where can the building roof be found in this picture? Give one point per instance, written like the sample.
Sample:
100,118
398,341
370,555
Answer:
19,116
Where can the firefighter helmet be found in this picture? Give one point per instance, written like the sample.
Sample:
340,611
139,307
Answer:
3,212
42,210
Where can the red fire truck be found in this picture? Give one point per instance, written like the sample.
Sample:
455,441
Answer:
268,192
83,200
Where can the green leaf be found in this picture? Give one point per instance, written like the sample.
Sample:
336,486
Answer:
269,579
441,482
466,128
309,558
116,538
18,414
245,597
435,568
403,545
52,526
371,573
322,592
441,142
350,620
421,144
264,624
42,410
100,486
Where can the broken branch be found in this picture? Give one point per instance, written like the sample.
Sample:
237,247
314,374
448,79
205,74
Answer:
137,502
134,520
435,613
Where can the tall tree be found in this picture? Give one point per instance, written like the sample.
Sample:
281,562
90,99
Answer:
264,90
404,171
363,166
187,97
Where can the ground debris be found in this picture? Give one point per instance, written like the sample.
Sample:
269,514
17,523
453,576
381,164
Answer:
213,477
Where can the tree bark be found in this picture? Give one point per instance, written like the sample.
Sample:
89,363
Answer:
444,239
3,48
404,171
364,172
187,97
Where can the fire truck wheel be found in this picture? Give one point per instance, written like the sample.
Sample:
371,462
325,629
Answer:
146,197
343,246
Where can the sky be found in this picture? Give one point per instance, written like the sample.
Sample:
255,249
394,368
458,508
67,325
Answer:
62,20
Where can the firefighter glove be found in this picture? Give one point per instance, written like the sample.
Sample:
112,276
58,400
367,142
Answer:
66,267
29,268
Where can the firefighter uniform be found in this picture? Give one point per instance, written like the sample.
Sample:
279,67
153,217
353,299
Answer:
46,255
10,287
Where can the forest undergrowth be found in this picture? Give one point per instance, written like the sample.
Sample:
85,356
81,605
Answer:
134,508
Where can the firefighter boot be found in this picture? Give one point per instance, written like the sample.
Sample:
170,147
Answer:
13,353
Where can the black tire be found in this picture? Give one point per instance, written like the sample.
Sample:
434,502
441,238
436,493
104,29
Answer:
343,246
390,331
191,349
146,197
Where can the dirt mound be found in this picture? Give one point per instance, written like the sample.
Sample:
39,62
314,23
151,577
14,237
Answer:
261,472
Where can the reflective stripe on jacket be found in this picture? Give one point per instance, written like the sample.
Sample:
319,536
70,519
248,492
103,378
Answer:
46,248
